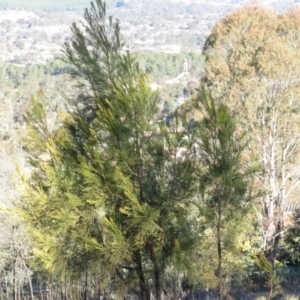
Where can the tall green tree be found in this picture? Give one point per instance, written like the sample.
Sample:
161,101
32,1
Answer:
225,183
252,65
108,189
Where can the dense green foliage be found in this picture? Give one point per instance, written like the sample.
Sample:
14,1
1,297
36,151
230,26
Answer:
125,197
122,196
108,188
21,75
239,58
224,183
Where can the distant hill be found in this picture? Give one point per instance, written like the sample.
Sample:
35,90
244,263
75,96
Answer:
47,5
81,4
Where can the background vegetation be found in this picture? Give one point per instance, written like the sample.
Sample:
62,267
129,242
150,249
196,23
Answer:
124,191
43,5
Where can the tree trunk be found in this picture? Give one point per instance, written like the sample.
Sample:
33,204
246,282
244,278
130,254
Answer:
139,268
219,268
157,271
85,285
177,290
6,286
274,226
158,289
15,281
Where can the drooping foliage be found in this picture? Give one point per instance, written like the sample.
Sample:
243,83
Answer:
109,192
116,196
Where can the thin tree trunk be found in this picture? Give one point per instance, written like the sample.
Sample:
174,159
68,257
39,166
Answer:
175,289
6,286
29,280
14,279
49,292
85,285
41,291
21,291
219,268
139,268
158,289
274,227
157,279
19,288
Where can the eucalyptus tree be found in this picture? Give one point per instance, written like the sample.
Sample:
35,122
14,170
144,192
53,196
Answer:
252,65
108,190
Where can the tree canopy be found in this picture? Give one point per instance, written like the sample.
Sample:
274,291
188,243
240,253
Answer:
252,65
128,203
109,192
